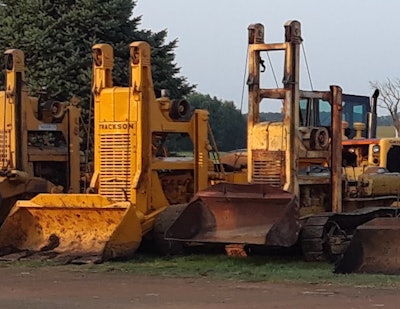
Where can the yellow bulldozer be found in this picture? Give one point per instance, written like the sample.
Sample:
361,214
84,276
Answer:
300,158
39,140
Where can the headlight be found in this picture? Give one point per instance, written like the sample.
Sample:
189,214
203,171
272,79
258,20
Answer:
376,148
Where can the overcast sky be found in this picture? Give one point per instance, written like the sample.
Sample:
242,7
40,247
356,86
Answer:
347,42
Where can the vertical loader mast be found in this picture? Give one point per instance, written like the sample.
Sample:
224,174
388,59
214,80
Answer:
282,160
38,138
11,108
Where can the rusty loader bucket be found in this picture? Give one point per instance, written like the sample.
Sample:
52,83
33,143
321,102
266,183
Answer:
73,226
239,214
374,248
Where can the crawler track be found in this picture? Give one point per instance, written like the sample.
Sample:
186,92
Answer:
326,236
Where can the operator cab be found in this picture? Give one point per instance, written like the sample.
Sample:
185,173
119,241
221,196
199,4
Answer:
355,110
317,112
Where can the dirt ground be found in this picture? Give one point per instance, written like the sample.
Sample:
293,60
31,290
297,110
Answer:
52,288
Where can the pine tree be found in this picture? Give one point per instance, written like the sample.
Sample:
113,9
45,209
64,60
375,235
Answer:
57,36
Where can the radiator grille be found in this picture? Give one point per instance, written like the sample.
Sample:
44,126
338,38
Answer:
268,167
115,166
4,148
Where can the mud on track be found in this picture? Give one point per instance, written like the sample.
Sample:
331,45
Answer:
51,287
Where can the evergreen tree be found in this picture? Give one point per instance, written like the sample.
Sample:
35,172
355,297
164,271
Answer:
57,36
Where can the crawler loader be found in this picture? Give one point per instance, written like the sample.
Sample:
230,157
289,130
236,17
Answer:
136,176
367,161
294,160
300,157
39,141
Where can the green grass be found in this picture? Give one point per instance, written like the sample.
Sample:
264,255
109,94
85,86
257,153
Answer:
221,267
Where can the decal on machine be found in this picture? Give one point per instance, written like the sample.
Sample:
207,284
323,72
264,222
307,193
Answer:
116,126
47,127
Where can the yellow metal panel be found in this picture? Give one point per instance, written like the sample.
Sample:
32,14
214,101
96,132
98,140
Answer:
114,105
268,136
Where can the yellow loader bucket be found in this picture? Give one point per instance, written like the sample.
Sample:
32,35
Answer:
374,248
239,214
72,226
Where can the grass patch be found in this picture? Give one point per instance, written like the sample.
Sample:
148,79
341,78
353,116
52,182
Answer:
254,268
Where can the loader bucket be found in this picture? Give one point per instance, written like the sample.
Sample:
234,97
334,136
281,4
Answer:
239,214
374,248
72,226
